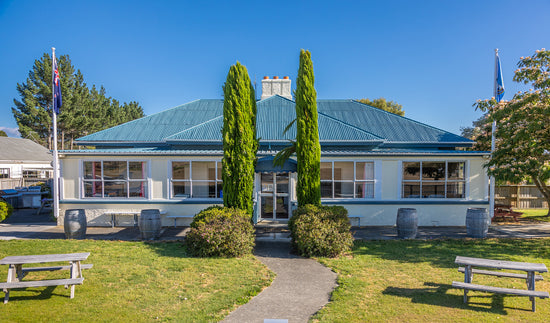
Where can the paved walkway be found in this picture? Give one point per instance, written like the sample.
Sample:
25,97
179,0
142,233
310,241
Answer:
300,289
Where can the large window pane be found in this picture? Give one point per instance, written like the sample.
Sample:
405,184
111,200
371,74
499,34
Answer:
326,171
343,189
455,170
326,190
204,189
364,171
343,171
92,170
93,189
138,189
411,171
456,190
267,182
182,189
203,171
433,190
137,170
114,170
282,207
180,170
364,190
433,171
116,189
411,190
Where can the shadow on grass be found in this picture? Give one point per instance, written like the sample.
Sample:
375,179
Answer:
442,253
37,293
436,294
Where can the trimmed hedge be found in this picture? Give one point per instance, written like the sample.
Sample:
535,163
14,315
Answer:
5,210
220,232
320,231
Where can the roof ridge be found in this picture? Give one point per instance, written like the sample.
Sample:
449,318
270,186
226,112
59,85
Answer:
275,96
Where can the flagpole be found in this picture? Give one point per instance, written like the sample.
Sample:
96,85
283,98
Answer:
54,135
493,130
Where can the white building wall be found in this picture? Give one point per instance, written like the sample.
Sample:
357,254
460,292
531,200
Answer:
382,210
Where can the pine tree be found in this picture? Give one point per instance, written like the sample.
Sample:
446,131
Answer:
308,149
84,111
239,139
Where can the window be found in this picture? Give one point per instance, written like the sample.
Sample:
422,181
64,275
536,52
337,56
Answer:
4,173
197,179
434,179
341,180
115,179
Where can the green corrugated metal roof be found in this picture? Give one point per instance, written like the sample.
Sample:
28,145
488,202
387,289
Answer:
339,121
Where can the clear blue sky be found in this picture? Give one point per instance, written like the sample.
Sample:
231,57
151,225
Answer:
436,58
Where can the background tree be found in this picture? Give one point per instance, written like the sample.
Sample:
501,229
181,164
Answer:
523,136
239,139
3,133
383,104
77,116
480,132
308,149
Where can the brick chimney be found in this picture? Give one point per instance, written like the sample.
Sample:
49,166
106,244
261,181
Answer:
276,86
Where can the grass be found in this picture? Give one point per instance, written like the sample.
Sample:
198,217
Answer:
410,281
134,282
535,214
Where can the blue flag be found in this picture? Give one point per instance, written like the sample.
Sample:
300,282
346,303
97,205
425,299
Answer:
499,86
56,88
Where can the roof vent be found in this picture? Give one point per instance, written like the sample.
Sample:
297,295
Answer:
276,86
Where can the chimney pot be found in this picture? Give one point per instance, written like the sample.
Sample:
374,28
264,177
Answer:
275,77
286,77
266,77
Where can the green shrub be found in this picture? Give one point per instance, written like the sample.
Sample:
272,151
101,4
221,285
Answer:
322,231
5,210
220,232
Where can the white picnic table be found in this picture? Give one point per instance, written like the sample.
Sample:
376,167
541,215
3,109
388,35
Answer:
530,277
16,271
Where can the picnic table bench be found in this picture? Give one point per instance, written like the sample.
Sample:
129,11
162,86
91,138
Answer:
16,271
135,214
530,277
503,211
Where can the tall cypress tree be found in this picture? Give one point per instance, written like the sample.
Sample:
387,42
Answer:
239,139
308,149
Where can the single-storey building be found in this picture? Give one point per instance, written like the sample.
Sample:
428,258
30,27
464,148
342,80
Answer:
372,162
23,162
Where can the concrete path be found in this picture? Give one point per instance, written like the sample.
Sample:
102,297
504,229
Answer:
300,289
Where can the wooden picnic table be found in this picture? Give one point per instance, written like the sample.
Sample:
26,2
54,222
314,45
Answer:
16,271
530,276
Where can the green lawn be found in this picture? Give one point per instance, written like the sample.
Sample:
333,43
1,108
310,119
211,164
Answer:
535,214
410,281
133,282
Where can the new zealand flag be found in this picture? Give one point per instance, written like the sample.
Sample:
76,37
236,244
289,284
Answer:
56,88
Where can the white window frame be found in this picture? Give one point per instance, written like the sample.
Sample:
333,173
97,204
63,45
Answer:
375,180
147,179
402,181
5,171
171,180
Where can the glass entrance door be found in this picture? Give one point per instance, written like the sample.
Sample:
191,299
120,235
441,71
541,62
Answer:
274,196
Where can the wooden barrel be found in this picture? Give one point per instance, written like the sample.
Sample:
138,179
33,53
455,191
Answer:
149,224
75,224
477,222
407,223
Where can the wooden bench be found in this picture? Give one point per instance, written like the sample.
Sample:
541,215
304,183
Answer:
530,277
176,217
135,214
